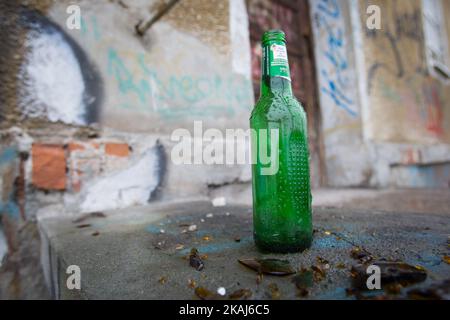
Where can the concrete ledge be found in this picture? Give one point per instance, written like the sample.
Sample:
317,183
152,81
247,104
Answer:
125,254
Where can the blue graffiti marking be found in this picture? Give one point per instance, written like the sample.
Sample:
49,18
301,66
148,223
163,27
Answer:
9,207
334,53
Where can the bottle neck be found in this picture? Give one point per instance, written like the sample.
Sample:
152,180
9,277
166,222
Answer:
275,76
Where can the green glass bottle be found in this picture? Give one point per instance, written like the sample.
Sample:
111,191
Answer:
282,219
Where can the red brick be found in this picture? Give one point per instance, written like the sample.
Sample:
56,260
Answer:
49,167
117,149
73,146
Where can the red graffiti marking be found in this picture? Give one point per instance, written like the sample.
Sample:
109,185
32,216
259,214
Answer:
434,110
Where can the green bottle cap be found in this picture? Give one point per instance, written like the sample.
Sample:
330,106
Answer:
272,35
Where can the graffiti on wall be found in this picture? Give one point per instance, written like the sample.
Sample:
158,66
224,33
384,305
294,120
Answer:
58,82
333,62
400,71
154,90
406,26
145,87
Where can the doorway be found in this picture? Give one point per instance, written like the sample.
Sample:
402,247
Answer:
292,16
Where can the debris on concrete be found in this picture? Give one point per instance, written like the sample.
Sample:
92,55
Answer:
391,273
82,226
205,294
241,294
437,291
192,228
222,269
86,216
259,278
318,273
446,259
362,255
341,266
274,267
209,215
195,260
274,292
191,283
162,280
221,291
303,281
219,202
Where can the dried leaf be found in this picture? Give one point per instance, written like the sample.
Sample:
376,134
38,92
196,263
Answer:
81,226
95,233
446,259
340,266
89,215
241,294
205,294
207,238
274,267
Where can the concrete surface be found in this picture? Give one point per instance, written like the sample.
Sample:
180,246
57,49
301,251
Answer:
140,253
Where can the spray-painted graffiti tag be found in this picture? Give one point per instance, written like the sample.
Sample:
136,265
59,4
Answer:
334,81
154,91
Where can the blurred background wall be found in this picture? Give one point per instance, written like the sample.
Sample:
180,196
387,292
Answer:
86,114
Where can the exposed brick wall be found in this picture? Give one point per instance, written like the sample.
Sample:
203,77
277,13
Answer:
117,149
49,166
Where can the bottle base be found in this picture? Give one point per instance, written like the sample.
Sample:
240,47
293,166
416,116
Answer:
266,247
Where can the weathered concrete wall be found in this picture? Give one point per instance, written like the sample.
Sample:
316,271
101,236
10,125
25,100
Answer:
113,98
86,115
182,69
346,153
386,120
408,109
398,82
